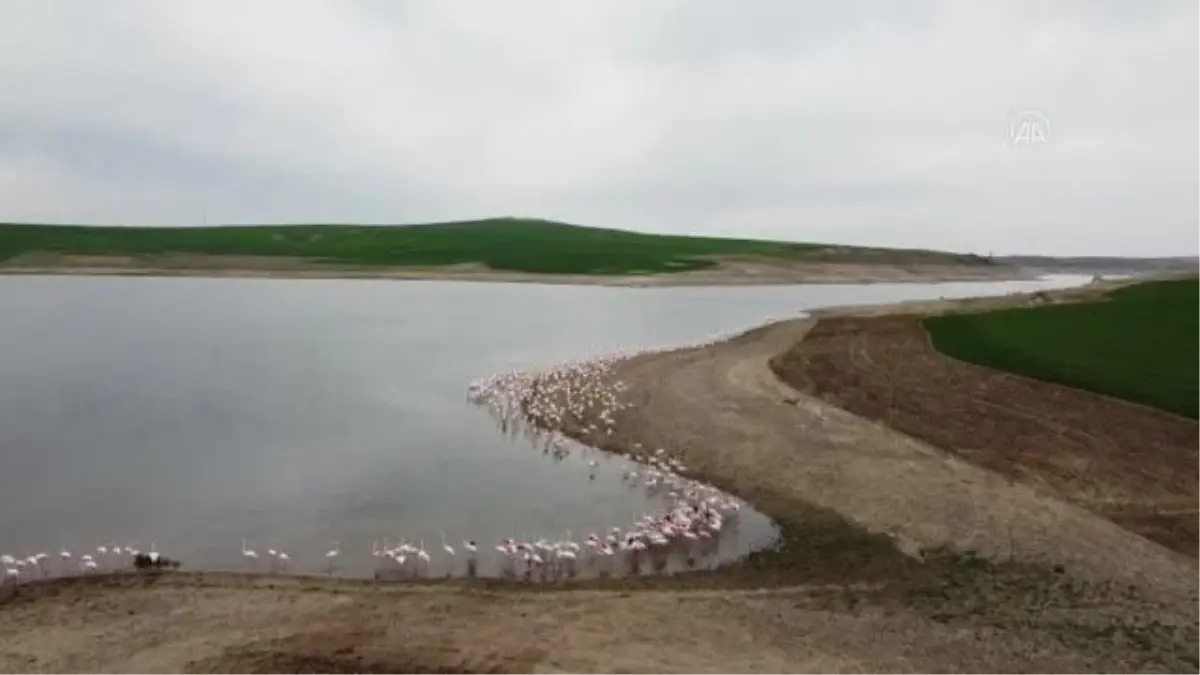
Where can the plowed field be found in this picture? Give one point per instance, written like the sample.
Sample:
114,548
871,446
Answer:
1132,464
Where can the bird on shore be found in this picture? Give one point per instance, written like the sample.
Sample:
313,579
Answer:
248,553
332,554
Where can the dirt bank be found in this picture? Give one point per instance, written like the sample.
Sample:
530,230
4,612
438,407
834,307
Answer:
1131,464
730,271
231,623
864,583
746,431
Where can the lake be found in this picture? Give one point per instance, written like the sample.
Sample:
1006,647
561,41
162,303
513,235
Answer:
302,415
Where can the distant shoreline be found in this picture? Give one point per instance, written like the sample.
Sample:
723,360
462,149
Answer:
745,272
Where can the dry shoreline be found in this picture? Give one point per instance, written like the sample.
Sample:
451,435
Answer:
866,582
729,272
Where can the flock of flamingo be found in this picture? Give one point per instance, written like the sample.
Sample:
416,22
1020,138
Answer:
580,398
104,557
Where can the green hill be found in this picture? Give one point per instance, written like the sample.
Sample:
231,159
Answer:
1139,343
512,244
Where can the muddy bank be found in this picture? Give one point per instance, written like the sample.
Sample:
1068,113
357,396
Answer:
745,431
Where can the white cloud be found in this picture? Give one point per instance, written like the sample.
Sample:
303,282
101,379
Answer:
863,122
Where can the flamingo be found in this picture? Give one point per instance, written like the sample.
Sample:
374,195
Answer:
12,573
385,551
447,547
247,553
570,543
470,546
421,553
332,554
402,551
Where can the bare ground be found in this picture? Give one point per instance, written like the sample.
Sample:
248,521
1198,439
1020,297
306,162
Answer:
872,575
742,270
233,623
1131,464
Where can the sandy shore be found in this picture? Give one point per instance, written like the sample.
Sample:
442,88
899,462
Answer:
729,272
868,579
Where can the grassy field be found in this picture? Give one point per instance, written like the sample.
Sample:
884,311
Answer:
1139,344
511,244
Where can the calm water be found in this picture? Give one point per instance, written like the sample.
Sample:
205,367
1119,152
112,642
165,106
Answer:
195,413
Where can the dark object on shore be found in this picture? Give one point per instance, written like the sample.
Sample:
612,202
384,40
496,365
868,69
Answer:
143,561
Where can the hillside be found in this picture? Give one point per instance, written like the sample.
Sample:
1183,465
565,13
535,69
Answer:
1138,343
506,244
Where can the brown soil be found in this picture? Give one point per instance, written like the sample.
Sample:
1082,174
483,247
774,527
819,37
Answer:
730,271
1132,464
871,577
181,622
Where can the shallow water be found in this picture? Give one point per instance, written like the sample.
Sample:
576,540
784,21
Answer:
296,414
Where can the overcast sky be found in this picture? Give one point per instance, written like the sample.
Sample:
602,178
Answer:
1058,127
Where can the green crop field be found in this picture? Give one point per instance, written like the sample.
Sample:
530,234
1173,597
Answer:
502,244
1139,344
